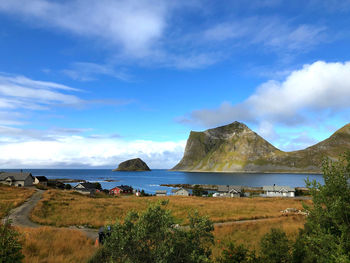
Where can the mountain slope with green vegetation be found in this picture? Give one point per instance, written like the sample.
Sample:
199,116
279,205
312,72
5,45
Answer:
236,148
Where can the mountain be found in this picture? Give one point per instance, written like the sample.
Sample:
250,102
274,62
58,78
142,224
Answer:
133,165
236,148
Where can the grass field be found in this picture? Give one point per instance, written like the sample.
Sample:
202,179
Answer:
250,233
65,208
48,244
11,196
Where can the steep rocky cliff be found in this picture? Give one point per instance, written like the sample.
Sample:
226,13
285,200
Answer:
236,148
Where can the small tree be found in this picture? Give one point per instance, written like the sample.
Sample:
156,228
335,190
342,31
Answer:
10,245
275,247
327,229
197,190
237,254
153,236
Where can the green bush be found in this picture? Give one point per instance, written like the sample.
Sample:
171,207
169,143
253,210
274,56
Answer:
153,236
10,245
237,254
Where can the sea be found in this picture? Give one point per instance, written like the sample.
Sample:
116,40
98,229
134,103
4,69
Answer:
150,181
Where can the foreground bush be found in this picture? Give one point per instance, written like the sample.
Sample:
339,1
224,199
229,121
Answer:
10,245
153,236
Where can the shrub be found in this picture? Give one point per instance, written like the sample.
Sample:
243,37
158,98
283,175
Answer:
10,245
153,236
275,247
237,254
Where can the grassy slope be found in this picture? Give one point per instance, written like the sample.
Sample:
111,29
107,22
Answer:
248,151
250,233
48,244
11,196
64,208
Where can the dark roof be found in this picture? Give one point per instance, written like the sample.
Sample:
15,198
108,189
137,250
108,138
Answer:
87,185
15,176
41,178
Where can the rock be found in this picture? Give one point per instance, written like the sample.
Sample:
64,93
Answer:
236,148
133,165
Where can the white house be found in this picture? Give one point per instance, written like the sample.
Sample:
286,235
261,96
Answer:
181,191
279,191
16,179
229,190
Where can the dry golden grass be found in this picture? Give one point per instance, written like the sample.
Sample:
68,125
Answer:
48,244
11,196
64,208
250,233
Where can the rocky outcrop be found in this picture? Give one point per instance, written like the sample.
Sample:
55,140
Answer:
133,165
236,148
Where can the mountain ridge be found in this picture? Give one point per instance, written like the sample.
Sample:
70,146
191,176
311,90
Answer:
237,148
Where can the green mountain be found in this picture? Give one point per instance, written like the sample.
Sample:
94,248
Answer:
236,148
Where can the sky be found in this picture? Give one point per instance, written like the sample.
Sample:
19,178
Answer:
88,84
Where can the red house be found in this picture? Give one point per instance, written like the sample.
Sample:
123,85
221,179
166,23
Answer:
121,189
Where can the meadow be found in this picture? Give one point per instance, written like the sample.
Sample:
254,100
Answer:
66,208
11,197
250,233
54,245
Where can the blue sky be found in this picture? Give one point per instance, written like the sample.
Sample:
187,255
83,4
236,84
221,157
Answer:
92,83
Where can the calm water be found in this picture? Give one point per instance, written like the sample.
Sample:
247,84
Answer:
150,181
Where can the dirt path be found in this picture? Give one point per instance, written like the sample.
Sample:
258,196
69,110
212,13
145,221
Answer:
20,216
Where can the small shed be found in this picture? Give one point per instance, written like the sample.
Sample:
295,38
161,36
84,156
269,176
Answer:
161,193
181,191
121,189
40,180
279,191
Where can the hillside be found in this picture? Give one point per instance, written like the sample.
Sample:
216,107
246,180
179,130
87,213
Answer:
236,148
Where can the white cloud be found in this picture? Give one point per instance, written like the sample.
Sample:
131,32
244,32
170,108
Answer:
79,151
87,71
305,97
270,32
18,92
134,25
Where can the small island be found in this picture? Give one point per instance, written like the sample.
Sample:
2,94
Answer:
133,165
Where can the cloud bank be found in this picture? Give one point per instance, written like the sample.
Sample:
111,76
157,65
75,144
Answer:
74,151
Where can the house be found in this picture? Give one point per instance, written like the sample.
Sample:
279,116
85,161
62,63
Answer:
86,188
161,193
16,179
229,190
181,191
121,189
40,180
275,190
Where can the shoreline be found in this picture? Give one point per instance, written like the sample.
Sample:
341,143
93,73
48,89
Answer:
248,172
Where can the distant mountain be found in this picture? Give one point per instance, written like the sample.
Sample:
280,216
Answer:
133,165
236,148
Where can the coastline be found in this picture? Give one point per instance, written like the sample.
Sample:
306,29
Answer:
248,172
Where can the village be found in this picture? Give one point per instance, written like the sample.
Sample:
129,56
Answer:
26,179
